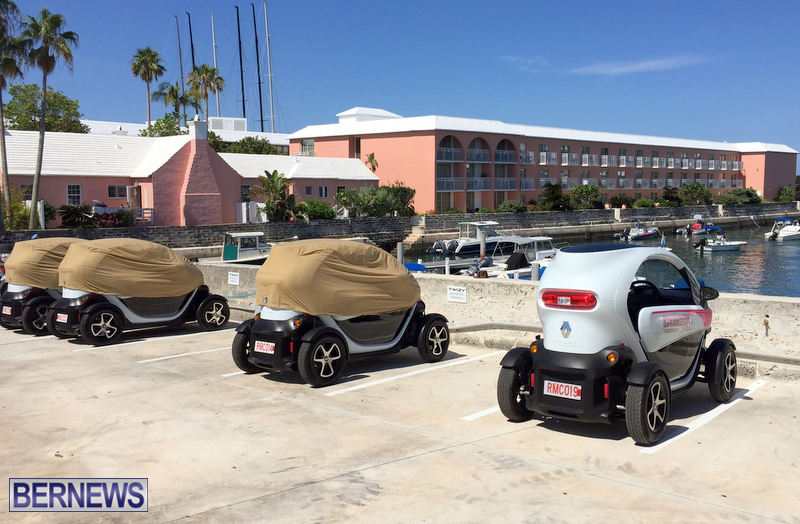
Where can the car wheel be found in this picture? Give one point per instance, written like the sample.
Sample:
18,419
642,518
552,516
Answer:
101,327
321,361
51,325
213,313
647,410
434,338
512,404
240,350
34,316
721,369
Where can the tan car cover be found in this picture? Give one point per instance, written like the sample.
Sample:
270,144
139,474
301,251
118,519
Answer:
35,262
128,267
334,277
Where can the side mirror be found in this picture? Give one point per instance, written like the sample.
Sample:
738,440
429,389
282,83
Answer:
708,293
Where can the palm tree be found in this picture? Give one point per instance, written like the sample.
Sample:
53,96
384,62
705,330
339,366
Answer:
10,55
46,42
371,162
273,189
148,66
203,80
171,95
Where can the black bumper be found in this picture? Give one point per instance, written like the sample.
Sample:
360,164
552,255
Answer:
274,344
602,384
66,313
14,303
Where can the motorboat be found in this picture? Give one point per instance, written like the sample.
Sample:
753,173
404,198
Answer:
698,229
519,265
638,232
784,229
717,241
248,247
472,233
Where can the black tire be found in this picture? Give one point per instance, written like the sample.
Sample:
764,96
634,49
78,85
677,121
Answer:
240,349
721,369
433,339
34,316
322,360
101,327
647,410
51,325
213,313
512,405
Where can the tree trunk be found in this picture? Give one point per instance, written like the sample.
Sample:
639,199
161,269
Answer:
6,205
148,108
206,99
32,221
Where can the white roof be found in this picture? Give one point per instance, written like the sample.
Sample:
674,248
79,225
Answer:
253,166
80,154
229,135
104,127
363,114
446,123
759,147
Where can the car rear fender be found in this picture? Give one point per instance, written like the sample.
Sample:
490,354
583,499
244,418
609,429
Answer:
245,327
642,372
519,358
325,330
102,303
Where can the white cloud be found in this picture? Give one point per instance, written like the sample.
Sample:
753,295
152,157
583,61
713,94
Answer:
527,64
641,66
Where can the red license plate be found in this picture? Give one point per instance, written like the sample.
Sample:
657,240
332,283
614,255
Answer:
6,310
61,317
560,389
262,346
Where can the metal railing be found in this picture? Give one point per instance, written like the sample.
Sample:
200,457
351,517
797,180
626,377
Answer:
479,184
527,183
505,184
503,156
449,154
478,155
444,185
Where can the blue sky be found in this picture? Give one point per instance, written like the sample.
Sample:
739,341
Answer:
708,69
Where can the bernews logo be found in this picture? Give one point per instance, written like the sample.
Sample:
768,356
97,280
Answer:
52,494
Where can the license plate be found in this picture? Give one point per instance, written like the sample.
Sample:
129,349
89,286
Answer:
6,310
61,317
263,346
560,389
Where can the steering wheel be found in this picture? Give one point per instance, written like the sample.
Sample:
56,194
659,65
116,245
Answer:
642,286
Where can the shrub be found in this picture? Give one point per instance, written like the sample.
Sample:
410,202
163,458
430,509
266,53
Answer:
726,199
484,210
644,203
315,209
747,196
76,217
511,206
620,200
454,211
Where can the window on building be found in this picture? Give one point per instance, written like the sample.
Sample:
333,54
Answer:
653,196
640,152
670,154
522,173
244,193
74,197
654,153
637,196
684,156
653,175
117,191
443,202
444,170
584,150
323,191
309,191
470,201
623,152
604,151
698,156
339,189
620,174
564,149
26,191
307,147
697,176
543,148
584,175
544,173
357,147
711,156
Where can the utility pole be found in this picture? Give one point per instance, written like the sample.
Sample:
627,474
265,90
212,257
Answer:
258,69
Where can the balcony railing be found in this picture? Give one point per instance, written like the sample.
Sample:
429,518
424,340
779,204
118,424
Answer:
479,184
584,160
723,165
527,157
588,181
548,159
502,156
626,161
684,163
505,184
737,183
641,183
544,181
671,183
606,183
624,183
657,184
527,183
449,154
589,160
569,183
685,182
671,163
564,159
604,160
639,161
444,185
478,155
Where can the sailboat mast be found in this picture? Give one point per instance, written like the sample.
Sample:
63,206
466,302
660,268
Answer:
258,70
180,59
214,42
269,72
241,66
191,39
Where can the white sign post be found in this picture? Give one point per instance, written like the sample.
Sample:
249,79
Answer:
233,278
457,294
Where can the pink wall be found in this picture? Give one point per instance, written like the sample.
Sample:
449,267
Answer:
168,186
781,169
297,187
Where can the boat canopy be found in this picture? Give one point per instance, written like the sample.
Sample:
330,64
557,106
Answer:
715,228
334,277
783,220
35,262
128,267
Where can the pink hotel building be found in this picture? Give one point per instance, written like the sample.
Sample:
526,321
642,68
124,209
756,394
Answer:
470,164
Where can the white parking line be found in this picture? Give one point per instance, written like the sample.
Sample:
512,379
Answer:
480,414
234,373
454,362
112,346
708,417
182,355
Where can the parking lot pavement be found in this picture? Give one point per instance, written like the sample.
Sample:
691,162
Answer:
397,440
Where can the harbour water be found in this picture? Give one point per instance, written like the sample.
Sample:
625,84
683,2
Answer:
761,267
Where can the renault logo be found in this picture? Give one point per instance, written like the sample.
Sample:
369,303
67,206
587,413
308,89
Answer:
565,329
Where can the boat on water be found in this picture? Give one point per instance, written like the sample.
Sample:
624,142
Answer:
532,255
497,244
248,247
784,229
717,241
698,229
638,232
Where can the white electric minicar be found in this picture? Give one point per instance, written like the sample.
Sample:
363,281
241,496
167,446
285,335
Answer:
624,330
